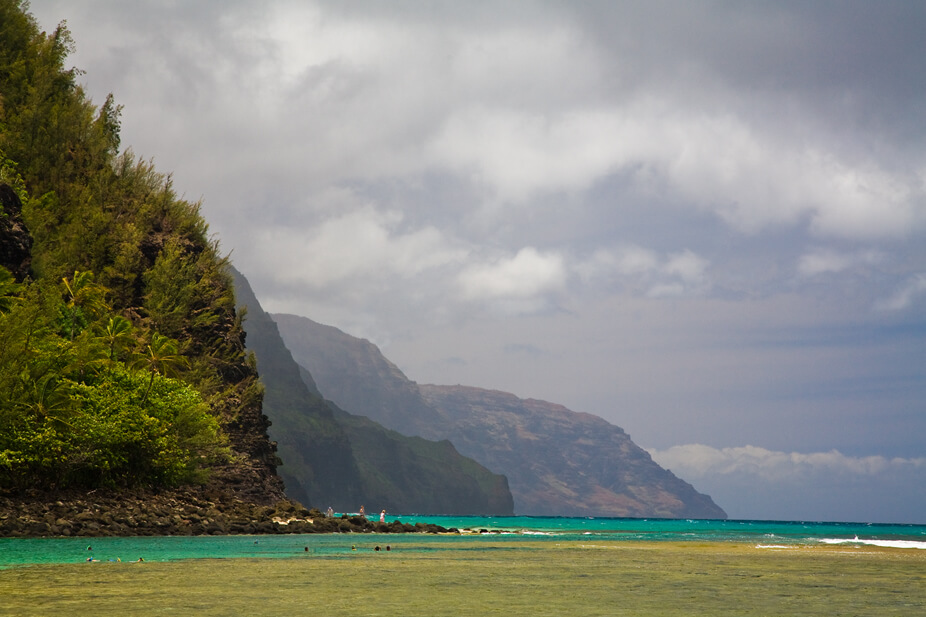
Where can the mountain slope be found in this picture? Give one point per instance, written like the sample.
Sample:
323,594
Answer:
123,372
558,462
356,375
564,463
332,458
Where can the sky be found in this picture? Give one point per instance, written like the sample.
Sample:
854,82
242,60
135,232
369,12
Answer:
703,221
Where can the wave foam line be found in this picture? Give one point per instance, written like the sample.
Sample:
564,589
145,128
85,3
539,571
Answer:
884,543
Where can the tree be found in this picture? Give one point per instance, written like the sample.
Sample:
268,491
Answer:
161,356
84,301
117,335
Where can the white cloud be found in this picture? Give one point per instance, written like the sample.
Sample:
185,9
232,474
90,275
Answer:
666,290
698,461
655,276
520,154
687,266
519,105
636,260
364,243
524,276
720,163
757,483
628,260
753,180
822,260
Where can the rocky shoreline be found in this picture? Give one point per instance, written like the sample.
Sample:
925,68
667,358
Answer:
178,512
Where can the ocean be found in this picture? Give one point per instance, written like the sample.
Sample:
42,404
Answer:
770,534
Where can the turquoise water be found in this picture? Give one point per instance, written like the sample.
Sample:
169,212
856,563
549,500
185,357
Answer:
24,551
682,529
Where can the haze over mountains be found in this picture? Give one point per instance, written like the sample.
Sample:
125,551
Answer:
333,458
558,462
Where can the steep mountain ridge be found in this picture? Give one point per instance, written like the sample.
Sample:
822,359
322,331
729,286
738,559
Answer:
336,359
333,458
563,463
558,462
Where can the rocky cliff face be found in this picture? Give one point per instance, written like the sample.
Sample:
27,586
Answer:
558,462
15,241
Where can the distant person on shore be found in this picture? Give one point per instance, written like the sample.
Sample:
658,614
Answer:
362,513
382,516
330,512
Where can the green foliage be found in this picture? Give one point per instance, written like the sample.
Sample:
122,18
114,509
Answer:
84,300
117,335
171,285
94,387
112,430
160,356
75,414
9,174
9,290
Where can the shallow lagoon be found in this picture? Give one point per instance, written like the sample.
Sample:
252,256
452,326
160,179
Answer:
513,530
525,566
485,576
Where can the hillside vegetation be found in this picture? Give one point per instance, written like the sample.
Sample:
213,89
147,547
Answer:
122,360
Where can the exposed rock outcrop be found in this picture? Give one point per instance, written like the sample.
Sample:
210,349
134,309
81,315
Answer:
15,241
179,512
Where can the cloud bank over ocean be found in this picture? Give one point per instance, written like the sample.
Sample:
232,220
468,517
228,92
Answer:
762,484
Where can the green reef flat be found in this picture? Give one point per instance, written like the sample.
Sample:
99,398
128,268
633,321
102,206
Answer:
598,577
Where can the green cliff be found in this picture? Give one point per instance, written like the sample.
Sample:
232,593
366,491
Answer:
333,458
